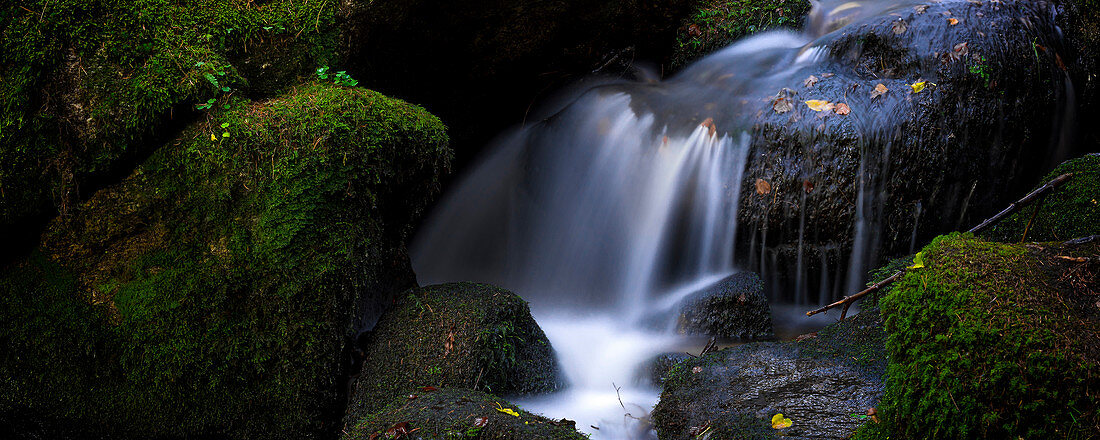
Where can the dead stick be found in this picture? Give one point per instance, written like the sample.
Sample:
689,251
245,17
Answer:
1020,204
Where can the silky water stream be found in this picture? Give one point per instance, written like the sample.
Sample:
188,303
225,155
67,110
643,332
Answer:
606,213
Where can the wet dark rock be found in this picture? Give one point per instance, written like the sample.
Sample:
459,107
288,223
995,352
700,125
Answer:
822,384
733,308
662,365
462,335
457,413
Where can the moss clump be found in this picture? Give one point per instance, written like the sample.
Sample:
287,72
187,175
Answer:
993,340
464,335
1071,211
212,291
715,24
87,84
454,413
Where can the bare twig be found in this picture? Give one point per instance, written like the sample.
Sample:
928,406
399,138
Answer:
1030,198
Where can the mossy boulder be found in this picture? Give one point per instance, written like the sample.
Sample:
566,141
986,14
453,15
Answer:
212,292
89,87
463,335
993,340
734,308
818,383
1071,211
456,413
714,24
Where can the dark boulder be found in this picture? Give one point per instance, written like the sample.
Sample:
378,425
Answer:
733,308
213,291
822,384
661,366
462,335
447,413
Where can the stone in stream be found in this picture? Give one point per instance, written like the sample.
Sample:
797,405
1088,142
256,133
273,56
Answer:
733,308
460,335
823,384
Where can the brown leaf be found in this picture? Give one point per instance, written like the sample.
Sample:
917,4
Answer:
763,187
428,389
783,101
694,30
879,91
709,123
809,82
920,9
807,186
900,27
952,21
398,429
480,422
958,52
842,109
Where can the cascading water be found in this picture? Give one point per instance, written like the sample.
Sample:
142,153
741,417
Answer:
608,212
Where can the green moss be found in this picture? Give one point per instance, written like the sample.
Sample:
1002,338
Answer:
86,84
227,272
717,23
989,341
465,335
452,413
1071,211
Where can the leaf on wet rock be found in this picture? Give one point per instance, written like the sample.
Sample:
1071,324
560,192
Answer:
919,9
918,86
809,82
780,422
818,105
807,186
763,187
952,21
783,101
900,27
480,422
508,411
400,429
842,109
879,91
958,52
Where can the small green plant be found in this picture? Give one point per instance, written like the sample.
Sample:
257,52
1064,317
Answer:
981,70
212,75
340,78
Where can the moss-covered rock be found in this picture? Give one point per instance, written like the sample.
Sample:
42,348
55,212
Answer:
212,292
715,24
88,87
992,340
818,383
1071,211
462,335
455,413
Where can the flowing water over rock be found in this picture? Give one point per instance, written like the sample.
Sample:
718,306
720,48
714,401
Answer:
638,193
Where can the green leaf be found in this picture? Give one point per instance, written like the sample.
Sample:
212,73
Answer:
211,101
225,134
225,125
225,89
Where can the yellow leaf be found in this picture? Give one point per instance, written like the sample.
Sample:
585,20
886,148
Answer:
952,21
918,261
818,105
508,411
212,137
918,86
780,422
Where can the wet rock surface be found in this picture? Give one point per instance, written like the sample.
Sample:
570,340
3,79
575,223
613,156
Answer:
463,335
733,308
823,384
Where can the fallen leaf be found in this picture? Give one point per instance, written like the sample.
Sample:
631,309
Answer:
428,389
398,429
480,422
809,82
920,9
1058,61
806,336
709,123
826,75
212,137
879,91
952,21
763,187
842,109
918,261
818,105
696,370
807,186
694,30
508,411
918,86
958,52
900,27
783,103
780,422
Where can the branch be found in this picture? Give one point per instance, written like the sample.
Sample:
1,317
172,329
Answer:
1038,194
